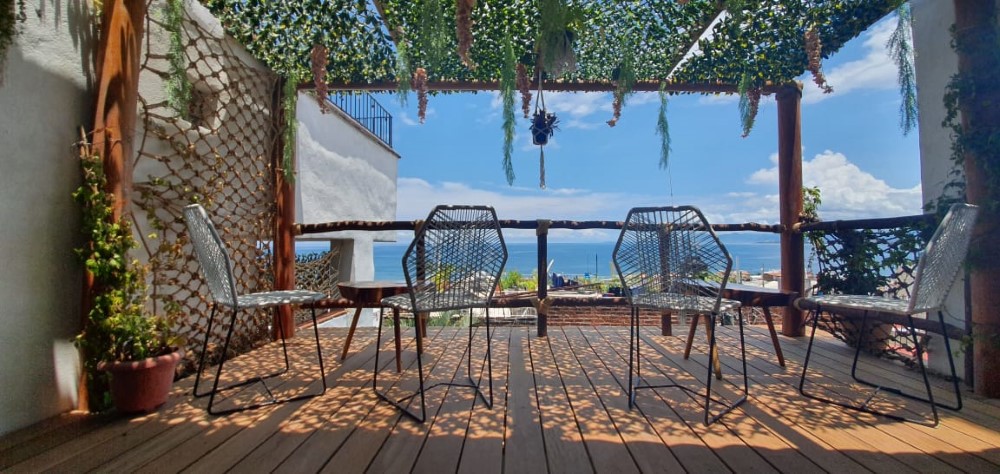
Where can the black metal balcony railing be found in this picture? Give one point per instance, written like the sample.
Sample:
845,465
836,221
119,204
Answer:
365,110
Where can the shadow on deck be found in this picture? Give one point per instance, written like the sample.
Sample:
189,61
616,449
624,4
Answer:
560,407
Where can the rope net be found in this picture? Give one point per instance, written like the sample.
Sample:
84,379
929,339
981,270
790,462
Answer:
218,151
870,262
317,272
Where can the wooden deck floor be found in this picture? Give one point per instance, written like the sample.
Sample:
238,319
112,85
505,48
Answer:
560,407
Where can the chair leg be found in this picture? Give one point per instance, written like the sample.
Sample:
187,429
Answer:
631,355
713,348
262,379
863,407
398,403
713,353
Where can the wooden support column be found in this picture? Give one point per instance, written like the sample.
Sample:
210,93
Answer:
543,278
790,199
284,235
117,65
975,37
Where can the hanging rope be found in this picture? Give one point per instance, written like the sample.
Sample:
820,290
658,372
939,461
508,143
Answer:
543,125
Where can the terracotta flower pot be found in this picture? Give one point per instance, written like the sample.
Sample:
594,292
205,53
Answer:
142,386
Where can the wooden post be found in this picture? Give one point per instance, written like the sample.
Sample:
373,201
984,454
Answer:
543,278
975,36
117,65
790,198
284,235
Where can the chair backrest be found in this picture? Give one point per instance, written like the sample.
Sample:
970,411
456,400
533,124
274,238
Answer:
942,259
456,259
671,250
212,255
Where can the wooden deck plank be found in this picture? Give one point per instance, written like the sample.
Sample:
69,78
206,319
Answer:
605,444
557,395
366,442
337,426
944,442
306,416
667,361
849,429
525,450
686,446
401,448
345,381
482,452
564,446
648,451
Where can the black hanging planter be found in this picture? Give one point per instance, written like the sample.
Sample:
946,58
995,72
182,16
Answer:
543,126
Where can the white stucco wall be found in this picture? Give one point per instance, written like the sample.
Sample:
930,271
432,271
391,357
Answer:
936,63
44,99
344,173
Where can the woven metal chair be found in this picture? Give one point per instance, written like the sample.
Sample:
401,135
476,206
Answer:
937,269
454,263
669,259
217,270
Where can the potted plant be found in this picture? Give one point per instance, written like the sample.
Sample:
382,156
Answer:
543,126
129,356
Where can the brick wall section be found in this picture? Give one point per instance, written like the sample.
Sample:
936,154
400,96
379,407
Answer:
618,316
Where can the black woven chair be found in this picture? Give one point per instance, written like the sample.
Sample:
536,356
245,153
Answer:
669,259
454,263
218,272
937,269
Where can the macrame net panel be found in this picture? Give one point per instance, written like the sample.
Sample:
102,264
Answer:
845,267
219,153
317,272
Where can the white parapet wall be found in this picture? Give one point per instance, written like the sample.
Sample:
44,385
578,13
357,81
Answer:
344,173
45,97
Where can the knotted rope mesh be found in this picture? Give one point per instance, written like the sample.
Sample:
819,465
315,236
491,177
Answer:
217,152
870,262
317,272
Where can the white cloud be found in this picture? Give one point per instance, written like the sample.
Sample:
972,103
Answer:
847,191
874,71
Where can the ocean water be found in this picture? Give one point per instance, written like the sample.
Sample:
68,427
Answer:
752,252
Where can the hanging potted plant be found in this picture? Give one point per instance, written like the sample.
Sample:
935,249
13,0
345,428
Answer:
129,356
543,126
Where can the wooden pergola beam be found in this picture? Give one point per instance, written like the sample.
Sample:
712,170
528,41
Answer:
555,86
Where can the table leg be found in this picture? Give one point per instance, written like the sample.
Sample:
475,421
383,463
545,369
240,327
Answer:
714,356
690,341
774,336
350,333
395,333
666,329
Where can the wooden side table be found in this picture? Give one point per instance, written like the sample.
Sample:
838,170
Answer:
750,295
369,294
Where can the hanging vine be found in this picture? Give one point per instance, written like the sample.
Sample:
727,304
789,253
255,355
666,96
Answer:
435,40
900,47
524,85
663,129
289,101
507,83
814,50
403,73
178,87
463,30
749,103
623,76
317,60
420,84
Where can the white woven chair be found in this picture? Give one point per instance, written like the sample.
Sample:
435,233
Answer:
669,259
937,269
217,270
454,263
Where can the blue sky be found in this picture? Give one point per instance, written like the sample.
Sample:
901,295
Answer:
853,148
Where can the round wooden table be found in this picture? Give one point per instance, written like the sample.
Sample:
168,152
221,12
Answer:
369,294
